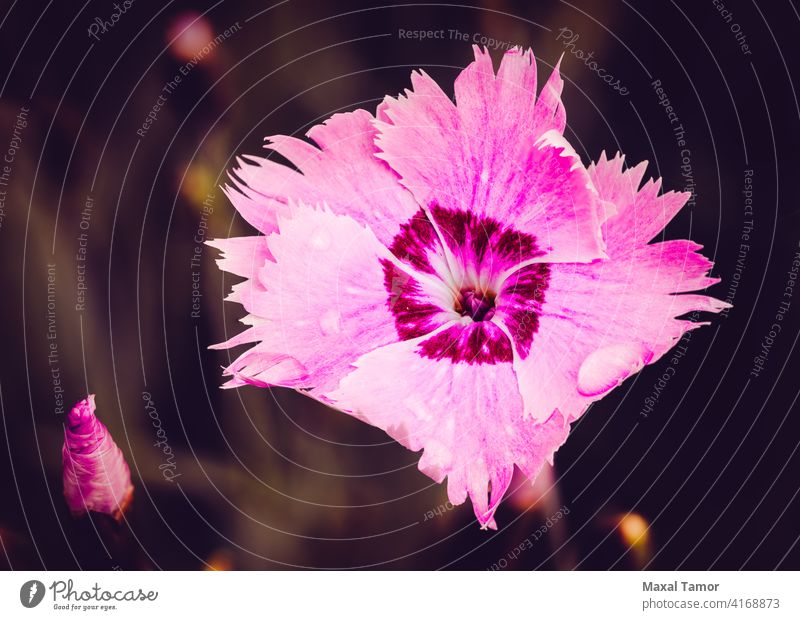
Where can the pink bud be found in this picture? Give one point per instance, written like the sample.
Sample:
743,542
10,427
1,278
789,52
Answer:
96,476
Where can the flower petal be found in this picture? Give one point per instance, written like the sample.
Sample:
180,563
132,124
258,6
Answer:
549,112
242,256
264,369
467,418
343,173
607,367
641,213
326,303
616,313
498,152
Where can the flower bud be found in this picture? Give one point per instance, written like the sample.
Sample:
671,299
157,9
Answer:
96,476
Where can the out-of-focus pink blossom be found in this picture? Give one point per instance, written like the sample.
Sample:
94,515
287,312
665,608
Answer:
188,34
96,476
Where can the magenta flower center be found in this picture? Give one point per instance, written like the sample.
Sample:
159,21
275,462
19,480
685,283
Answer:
469,279
478,305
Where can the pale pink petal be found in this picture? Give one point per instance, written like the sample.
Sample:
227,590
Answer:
600,323
259,211
607,367
468,418
342,173
96,476
263,369
497,153
244,293
641,212
324,307
549,113
242,256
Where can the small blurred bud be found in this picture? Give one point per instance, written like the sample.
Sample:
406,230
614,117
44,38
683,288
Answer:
188,34
96,476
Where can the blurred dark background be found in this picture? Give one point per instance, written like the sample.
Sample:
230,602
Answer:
268,479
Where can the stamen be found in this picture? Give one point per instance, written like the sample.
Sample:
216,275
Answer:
478,305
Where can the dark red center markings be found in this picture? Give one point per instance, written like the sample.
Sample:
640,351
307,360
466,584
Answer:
470,268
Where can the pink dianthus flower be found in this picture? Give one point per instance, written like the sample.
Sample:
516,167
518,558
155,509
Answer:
452,273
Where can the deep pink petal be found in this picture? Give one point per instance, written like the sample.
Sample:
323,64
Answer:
96,476
496,152
467,418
